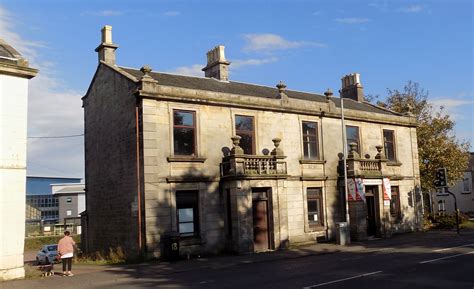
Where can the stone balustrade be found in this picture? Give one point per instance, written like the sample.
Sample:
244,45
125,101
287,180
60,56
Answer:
238,164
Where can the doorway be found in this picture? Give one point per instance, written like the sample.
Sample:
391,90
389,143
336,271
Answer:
370,197
260,212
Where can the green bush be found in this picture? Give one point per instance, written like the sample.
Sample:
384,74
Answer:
449,221
112,256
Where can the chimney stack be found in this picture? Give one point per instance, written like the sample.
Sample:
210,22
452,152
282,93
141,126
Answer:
217,65
351,87
106,49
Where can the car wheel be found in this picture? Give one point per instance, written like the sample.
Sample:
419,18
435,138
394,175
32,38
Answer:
37,261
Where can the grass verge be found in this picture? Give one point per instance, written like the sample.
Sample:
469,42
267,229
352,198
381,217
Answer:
35,243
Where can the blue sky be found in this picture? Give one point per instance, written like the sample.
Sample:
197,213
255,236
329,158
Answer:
309,45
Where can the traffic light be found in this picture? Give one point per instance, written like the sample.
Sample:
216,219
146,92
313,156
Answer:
441,180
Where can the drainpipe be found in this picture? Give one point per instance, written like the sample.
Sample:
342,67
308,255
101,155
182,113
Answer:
139,212
325,181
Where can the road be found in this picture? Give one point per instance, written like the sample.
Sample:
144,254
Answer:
433,260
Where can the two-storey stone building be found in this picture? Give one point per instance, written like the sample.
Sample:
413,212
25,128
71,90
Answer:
236,166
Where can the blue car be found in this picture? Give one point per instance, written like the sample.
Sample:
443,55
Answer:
47,254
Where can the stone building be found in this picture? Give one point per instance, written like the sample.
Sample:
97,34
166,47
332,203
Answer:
14,75
236,166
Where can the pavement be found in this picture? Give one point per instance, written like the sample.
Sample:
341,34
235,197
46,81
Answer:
95,276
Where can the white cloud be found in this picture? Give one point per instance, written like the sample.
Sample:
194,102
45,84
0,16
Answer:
352,20
456,108
172,13
269,42
105,13
451,102
192,70
239,63
52,110
412,9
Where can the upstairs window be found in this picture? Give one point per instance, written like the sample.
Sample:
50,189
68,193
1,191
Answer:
244,127
310,140
315,207
389,144
187,211
352,136
184,132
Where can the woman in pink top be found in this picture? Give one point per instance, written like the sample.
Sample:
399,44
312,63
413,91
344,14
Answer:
66,252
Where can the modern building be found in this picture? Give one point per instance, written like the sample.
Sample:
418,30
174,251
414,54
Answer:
71,200
236,166
14,75
40,197
443,203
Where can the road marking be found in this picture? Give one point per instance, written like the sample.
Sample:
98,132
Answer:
446,249
448,257
340,280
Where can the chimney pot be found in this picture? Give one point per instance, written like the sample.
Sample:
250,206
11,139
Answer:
352,88
217,65
106,49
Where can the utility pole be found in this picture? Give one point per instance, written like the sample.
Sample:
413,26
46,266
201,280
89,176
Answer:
344,151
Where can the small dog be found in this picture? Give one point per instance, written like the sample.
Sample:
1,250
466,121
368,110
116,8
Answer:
47,270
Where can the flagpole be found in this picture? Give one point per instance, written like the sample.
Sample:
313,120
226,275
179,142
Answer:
344,151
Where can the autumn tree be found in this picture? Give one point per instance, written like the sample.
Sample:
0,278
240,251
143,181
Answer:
437,143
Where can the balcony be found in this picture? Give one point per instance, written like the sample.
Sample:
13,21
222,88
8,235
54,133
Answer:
366,168
240,165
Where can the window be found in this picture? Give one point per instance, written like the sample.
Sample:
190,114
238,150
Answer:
465,182
68,212
352,136
310,140
389,144
68,200
187,213
184,132
395,203
315,207
244,127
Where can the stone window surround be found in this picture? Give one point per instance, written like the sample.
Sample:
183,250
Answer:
186,186
254,134
197,140
316,229
183,126
318,142
359,143
395,160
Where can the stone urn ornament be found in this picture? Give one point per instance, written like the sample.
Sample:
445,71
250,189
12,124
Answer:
236,150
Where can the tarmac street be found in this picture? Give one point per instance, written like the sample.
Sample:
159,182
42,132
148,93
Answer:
437,259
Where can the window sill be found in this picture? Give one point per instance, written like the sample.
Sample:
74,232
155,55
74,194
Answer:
315,229
306,161
394,163
185,159
190,241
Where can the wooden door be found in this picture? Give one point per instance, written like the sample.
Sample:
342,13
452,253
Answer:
370,200
260,224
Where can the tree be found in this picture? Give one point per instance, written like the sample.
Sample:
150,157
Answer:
437,143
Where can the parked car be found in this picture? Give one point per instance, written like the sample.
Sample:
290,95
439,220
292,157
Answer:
47,254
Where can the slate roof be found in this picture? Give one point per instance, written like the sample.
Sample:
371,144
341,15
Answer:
233,87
